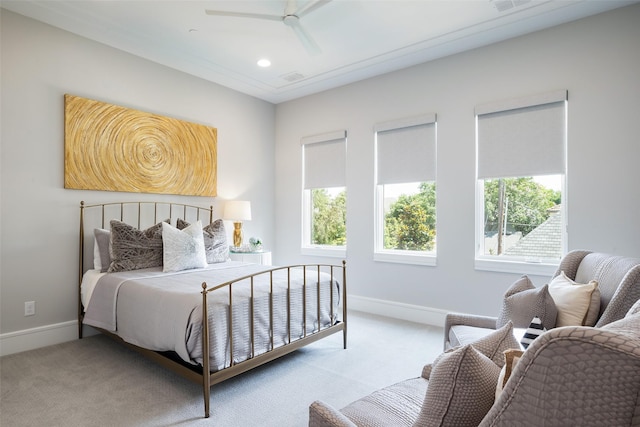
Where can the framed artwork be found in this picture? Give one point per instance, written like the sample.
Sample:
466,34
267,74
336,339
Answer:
113,148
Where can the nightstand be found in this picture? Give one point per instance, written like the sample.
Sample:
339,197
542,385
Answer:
262,257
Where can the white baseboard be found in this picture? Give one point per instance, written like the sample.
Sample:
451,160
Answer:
396,310
29,339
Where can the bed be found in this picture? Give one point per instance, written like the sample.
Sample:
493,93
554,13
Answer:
145,281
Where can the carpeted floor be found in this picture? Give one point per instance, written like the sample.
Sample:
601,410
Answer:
97,382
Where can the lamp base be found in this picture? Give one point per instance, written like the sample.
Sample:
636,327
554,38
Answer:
237,234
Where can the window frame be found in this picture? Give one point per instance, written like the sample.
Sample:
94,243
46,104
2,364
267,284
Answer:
518,264
306,247
380,254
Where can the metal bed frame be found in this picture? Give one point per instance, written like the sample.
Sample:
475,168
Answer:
202,374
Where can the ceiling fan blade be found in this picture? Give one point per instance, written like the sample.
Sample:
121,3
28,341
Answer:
309,44
310,7
244,15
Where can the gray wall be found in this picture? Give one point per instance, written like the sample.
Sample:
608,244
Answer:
596,59
39,222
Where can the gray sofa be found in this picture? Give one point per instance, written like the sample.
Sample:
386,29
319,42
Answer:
574,375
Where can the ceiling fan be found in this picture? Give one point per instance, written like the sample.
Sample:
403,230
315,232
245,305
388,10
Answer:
291,18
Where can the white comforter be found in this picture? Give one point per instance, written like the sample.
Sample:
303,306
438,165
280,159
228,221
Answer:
162,311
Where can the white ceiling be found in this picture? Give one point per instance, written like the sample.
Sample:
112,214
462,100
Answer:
358,38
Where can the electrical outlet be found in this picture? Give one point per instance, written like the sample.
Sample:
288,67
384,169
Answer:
29,308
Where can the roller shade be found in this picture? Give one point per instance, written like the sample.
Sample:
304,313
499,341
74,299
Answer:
324,160
522,137
406,150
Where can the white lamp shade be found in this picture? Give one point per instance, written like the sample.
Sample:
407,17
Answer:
237,210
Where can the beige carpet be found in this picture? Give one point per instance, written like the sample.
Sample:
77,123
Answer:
96,382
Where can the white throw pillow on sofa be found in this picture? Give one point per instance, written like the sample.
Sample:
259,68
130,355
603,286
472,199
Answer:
573,300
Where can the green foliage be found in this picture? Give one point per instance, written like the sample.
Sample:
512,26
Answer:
329,218
527,203
410,223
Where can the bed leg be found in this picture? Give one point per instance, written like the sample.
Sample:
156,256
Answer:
206,374
344,303
207,396
344,336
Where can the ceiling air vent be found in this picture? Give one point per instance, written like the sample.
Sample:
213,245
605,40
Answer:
502,5
292,77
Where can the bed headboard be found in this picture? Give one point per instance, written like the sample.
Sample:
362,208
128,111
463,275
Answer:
139,214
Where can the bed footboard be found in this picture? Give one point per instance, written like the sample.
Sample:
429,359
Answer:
317,332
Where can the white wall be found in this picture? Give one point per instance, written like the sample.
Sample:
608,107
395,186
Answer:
596,59
39,218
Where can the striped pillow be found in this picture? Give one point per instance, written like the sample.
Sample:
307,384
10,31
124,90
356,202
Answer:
534,330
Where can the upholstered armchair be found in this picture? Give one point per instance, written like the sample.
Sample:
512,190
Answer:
618,280
569,376
575,376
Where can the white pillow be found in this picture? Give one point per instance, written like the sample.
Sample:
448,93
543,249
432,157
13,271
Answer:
572,299
183,249
97,262
101,255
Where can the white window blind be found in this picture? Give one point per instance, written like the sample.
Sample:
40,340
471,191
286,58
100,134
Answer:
522,137
406,150
324,160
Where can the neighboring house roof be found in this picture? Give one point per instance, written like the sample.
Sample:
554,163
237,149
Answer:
544,241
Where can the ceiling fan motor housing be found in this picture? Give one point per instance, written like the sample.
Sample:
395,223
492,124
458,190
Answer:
290,20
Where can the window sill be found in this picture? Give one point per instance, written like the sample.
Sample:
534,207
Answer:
544,268
325,251
406,257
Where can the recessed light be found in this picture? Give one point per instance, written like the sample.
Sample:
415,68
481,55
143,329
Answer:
264,63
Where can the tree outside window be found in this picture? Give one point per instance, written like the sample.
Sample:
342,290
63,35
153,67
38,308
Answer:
516,207
410,221
329,216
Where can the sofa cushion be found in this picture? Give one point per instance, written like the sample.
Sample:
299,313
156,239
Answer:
460,335
461,389
574,300
495,343
490,342
635,308
523,301
628,326
396,405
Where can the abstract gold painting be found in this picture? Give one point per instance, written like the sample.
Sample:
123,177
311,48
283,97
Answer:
113,148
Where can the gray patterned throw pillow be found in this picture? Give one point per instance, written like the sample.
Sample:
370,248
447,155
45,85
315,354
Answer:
133,249
215,240
461,389
523,301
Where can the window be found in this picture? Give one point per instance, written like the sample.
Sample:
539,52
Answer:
405,217
521,166
324,196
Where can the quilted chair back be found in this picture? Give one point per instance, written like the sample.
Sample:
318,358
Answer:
575,376
618,280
